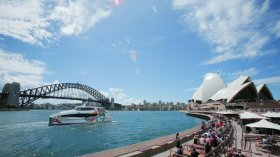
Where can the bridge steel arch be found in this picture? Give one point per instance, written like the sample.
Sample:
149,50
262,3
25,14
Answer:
30,95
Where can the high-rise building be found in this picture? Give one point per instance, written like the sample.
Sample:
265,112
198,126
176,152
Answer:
144,102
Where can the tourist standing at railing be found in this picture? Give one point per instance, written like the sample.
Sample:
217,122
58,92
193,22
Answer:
178,140
208,132
219,138
207,147
217,124
221,123
203,125
202,140
195,139
214,141
208,140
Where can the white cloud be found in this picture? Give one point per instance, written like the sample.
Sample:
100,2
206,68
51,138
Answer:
133,55
191,89
116,3
16,63
83,72
230,76
120,96
276,29
15,68
78,16
234,28
269,80
24,20
247,72
180,4
36,22
26,81
158,39
122,44
127,40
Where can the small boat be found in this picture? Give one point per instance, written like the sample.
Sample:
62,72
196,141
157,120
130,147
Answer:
84,114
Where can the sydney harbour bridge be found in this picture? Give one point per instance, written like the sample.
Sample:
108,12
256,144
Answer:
12,95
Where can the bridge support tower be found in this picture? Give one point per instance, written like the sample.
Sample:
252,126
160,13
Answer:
13,92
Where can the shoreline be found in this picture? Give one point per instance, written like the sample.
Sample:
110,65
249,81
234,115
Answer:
13,109
154,146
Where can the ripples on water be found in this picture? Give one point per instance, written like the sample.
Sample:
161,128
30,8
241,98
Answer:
26,133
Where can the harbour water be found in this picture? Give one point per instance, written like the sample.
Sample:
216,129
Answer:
26,133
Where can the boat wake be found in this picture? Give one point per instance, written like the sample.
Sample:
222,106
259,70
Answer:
24,125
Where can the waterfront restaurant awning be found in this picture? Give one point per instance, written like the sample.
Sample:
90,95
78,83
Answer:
264,124
227,112
250,115
271,114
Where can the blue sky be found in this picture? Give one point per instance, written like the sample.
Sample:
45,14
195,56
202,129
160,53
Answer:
139,50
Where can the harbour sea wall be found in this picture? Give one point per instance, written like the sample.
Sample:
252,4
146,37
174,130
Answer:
154,146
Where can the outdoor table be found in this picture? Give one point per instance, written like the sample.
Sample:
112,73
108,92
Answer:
196,146
188,153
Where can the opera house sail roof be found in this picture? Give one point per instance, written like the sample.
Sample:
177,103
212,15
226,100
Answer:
264,92
213,88
212,83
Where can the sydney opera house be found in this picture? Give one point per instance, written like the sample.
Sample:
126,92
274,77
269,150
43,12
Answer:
241,93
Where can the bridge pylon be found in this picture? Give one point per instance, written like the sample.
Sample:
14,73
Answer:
11,93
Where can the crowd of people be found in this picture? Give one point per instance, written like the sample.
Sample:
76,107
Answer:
217,127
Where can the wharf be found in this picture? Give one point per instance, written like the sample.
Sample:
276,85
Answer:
151,147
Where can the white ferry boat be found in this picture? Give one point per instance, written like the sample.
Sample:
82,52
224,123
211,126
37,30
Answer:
84,114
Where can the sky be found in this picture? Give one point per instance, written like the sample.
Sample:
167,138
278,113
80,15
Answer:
136,50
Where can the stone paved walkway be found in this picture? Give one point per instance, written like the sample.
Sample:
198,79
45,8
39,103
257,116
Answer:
251,146
237,135
167,153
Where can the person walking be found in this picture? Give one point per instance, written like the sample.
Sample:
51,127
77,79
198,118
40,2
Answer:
178,140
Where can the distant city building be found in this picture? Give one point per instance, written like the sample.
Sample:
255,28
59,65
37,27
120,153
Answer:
112,103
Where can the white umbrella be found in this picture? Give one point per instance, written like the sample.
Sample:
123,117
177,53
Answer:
226,112
271,114
250,115
264,124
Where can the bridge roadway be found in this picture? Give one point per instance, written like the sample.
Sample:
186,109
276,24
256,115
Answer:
58,97
151,147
